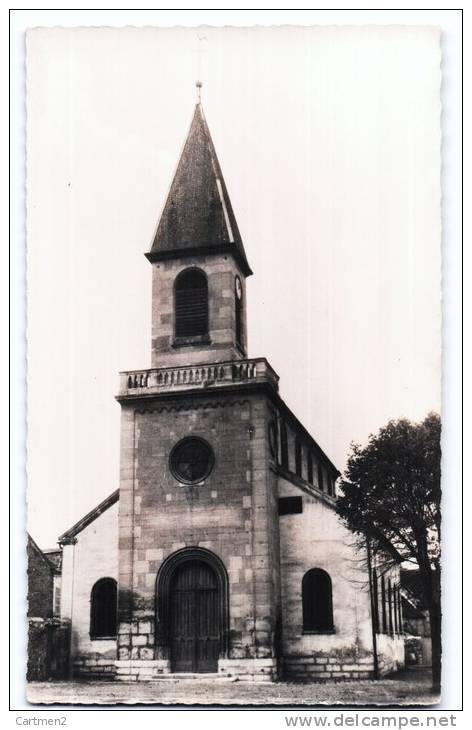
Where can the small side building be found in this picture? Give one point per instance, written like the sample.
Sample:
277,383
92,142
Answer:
48,635
89,588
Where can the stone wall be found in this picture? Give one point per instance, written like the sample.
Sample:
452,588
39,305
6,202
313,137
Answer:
40,582
317,539
221,271
94,556
391,652
232,515
48,649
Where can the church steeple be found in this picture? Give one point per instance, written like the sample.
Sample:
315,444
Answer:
199,263
198,216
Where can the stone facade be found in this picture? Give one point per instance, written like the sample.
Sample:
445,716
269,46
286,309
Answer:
233,515
316,538
239,549
221,271
88,556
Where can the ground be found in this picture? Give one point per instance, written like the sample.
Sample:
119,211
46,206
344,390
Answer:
410,687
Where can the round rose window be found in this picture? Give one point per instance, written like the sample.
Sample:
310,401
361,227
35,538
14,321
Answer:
191,460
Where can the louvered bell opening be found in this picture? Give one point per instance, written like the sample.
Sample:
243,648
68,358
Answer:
191,305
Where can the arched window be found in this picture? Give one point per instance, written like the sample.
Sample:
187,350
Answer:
298,458
317,601
191,304
103,609
283,445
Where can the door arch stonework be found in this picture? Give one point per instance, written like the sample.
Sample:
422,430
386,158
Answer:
192,610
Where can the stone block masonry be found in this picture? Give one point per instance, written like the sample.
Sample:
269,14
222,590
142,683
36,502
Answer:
320,668
94,668
160,516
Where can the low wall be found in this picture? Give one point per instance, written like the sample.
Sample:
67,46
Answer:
332,665
48,649
346,663
94,668
391,653
247,670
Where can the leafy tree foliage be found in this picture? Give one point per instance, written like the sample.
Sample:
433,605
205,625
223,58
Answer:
391,495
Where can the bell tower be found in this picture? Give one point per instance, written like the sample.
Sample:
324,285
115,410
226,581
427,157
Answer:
199,587
199,263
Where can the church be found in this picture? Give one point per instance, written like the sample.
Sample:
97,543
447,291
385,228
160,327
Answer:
221,551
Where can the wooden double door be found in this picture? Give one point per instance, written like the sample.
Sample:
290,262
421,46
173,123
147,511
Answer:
194,618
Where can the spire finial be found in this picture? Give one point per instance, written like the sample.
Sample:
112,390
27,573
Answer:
199,85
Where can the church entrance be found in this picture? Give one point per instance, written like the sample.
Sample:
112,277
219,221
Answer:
194,618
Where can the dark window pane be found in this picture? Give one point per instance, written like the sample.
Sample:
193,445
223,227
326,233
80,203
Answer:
290,505
103,609
191,460
284,445
298,458
317,601
309,467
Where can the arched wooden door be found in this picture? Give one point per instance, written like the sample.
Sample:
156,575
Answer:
194,618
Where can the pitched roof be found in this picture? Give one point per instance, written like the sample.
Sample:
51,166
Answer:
69,535
35,547
198,216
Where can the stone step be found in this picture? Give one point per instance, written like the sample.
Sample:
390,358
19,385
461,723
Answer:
204,676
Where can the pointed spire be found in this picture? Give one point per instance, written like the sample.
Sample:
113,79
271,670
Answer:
198,216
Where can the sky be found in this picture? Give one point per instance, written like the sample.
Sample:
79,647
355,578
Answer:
329,142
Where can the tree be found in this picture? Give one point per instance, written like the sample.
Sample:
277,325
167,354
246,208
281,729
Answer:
391,494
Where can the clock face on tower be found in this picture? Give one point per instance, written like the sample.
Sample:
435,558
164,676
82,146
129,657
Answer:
238,288
191,460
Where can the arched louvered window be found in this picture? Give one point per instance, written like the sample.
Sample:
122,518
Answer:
283,445
317,601
191,304
103,609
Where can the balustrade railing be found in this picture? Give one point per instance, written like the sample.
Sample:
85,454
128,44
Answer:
175,378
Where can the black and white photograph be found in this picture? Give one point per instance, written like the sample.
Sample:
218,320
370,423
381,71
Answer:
234,366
